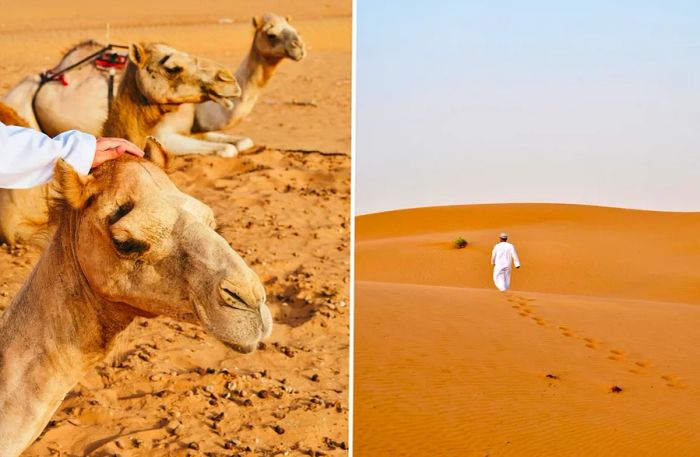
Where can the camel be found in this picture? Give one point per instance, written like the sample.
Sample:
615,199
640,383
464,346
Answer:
274,40
128,244
82,104
156,80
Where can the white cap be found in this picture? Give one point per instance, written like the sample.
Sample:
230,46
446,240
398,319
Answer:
503,235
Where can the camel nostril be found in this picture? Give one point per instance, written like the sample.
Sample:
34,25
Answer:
234,295
226,76
233,299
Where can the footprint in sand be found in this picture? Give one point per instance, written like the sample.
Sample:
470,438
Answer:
539,320
566,331
671,380
639,367
591,343
616,355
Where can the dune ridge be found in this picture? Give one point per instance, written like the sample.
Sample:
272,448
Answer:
565,249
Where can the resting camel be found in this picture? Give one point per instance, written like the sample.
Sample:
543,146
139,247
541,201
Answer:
156,81
82,104
128,243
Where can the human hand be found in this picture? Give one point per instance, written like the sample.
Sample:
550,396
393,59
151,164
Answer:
111,148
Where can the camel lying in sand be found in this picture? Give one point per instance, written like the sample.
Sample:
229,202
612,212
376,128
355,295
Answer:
82,104
156,81
128,243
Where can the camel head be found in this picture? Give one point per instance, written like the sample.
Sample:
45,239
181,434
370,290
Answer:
166,76
276,39
142,245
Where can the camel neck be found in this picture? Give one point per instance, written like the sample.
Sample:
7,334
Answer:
132,116
50,335
256,70
252,75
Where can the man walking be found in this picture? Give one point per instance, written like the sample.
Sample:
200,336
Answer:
502,257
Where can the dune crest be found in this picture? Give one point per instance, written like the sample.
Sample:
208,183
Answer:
566,249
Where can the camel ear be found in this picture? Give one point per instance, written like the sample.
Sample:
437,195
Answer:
288,19
137,54
74,188
257,22
156,153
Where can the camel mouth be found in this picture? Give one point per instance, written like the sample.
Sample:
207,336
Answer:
226,102
296,54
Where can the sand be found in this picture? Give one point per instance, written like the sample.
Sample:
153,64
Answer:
285,212
446,365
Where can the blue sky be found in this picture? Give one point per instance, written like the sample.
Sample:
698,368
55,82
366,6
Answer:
463,102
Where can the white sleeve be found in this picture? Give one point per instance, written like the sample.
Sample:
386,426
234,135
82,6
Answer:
27,157
493,256
516,261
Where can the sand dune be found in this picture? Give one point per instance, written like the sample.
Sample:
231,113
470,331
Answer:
566,249
446,365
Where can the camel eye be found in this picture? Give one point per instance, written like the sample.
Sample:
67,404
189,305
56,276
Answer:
173,70
130,246
120,212
272,37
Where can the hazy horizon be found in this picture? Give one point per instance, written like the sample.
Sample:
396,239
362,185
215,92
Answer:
446,205
481,103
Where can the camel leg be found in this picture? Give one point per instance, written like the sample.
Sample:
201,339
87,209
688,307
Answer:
241,142
179,144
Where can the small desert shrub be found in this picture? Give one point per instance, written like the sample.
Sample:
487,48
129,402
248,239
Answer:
460,243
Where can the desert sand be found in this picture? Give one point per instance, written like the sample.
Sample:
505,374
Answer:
594,351
169,388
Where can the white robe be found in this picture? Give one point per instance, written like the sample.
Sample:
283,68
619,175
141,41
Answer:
503,257
27,157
